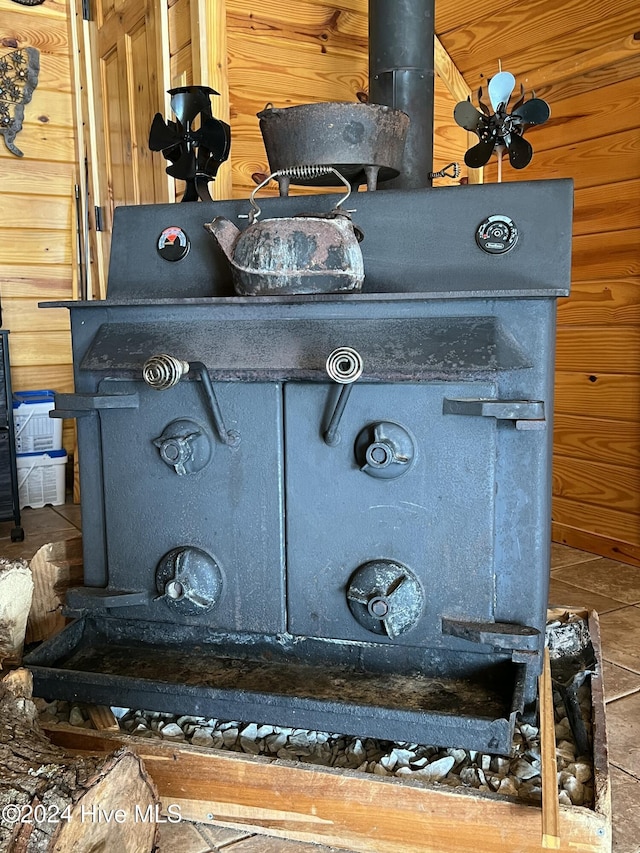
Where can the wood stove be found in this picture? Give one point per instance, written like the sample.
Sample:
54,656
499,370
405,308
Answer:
386,577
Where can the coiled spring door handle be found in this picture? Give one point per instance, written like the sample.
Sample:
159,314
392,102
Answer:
344,365
164,371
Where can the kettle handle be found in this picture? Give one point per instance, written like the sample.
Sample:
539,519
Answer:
300,173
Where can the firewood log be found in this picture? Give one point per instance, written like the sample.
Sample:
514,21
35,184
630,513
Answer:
53,801
16,589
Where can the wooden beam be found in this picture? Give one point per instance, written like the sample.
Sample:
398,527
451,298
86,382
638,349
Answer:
550,807
454,81
345,809
92,180
160,38
604,546
209,61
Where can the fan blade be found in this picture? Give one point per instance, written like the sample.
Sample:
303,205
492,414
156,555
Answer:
520,100
187,104
480,154
163,135
520,152
214,135
500,88
535,111
184,168
467,116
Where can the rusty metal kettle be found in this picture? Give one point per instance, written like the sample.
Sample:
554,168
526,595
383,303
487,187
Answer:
304,254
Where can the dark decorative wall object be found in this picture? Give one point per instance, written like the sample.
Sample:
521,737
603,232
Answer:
18,78
29,2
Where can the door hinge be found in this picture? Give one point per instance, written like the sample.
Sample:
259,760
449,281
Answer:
86,10
97,211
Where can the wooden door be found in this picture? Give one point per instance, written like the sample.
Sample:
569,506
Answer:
123,76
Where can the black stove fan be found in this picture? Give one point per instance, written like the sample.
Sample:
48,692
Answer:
195,155
501,130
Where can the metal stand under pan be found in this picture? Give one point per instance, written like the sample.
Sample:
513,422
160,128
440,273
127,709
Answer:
288,681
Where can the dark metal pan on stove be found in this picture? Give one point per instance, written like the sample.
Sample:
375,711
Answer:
364,142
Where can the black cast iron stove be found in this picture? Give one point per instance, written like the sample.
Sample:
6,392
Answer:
256,549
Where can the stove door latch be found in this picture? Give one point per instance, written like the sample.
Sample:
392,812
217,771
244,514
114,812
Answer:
163,371
344,366
520,640
525,414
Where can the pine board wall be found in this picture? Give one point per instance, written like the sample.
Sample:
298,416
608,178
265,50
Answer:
594,137
37,206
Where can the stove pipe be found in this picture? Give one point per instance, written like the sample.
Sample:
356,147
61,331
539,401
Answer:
401,75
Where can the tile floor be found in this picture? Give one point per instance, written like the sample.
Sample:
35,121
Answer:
577,579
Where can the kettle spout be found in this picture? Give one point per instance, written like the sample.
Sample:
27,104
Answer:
225,232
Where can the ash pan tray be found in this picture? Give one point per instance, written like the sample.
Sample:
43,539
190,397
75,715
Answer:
364,142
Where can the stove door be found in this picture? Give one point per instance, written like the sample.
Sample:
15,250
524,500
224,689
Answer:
195,522
393,527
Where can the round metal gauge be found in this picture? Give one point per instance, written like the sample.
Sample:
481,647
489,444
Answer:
173,244
497,234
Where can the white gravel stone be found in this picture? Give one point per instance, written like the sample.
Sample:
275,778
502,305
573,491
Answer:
250,746
230,736
564,799
575,790
172,731
581,771
202,736
437,770
508,787
76,717
523,769
262,731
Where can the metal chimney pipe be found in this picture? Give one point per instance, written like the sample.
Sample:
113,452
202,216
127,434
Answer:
401,75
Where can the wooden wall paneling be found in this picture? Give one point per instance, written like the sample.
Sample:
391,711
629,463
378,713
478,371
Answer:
181,70
21,314
591,80
46,142
593,114
30,177
598,395
179,25
601,349
38,283
619,528
27,211
210,67
613,254
41,347
39,246
588,438
612,56
526,36
58,376
598,484
607,207
611,301
603,160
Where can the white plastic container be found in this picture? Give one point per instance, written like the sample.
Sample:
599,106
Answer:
35,430
41,478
